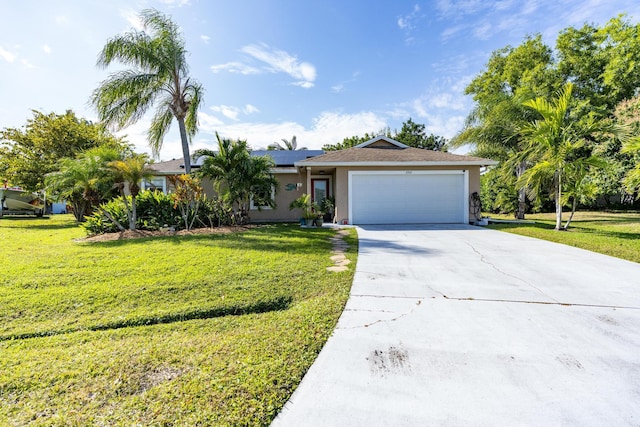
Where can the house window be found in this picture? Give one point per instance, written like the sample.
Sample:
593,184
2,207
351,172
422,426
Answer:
156,183
259,202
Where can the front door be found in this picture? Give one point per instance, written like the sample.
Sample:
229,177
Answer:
320,189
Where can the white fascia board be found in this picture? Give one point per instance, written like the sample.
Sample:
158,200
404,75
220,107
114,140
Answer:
284,170
401,164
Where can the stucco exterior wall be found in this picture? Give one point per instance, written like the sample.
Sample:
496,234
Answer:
286,193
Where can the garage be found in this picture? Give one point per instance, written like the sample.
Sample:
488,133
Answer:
383,181
408,197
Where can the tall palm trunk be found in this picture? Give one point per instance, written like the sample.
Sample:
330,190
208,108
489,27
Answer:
558,182
522,194
185,145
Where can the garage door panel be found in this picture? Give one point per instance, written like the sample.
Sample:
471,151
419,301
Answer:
407,198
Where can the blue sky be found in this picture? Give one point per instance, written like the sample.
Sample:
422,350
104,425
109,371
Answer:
321,70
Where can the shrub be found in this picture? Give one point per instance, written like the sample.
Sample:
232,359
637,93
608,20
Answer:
156,210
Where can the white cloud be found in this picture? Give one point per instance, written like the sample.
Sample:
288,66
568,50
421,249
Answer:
61,19
332,127
26,63
503,4
208,123
175,3
449,32
227,111
406,22
530,6
444,125
341,87
303,84
46,49
235,67
281,61
250,109
232,112
205,39
326,128
132,17
459,8
483,31
6,55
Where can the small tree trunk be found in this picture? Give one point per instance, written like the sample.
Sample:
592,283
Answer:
79,209
573,211
115,221
185,145
558,201
128,209
522,194
132,220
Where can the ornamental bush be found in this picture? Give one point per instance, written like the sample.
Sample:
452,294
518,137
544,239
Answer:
155,210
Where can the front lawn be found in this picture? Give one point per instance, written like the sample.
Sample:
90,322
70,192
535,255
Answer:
184,330
615,234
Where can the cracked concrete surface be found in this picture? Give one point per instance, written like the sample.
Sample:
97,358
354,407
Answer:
459,325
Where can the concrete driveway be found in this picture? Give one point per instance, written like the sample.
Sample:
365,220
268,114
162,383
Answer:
460,326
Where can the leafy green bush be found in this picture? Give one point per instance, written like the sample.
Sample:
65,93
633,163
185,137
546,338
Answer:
156,210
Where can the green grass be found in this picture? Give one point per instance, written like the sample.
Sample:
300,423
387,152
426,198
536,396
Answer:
615,234
185,330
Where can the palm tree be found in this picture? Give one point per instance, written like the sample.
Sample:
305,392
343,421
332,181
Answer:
556,146
84,181
493,128
631,180
237,176
160,75
131,171
286,145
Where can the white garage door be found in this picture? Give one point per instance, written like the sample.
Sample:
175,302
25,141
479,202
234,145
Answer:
408,197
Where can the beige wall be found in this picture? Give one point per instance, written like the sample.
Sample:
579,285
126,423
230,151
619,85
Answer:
284,198
342,183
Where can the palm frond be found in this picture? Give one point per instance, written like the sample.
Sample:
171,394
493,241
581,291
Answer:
160,125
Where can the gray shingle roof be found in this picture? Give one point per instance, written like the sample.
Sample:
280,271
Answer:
373,155
282,158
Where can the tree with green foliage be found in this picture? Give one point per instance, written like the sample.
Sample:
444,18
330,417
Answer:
238,176
556,147
627,113
352,141
160,76
512,76
414,135
85,181
128,174
601,62
28,154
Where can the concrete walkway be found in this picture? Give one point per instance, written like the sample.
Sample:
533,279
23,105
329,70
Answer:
464,326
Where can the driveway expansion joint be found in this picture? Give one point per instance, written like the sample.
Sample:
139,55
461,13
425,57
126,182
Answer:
564,304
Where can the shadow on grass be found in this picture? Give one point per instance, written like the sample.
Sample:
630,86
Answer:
277,303
28,222
279,238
